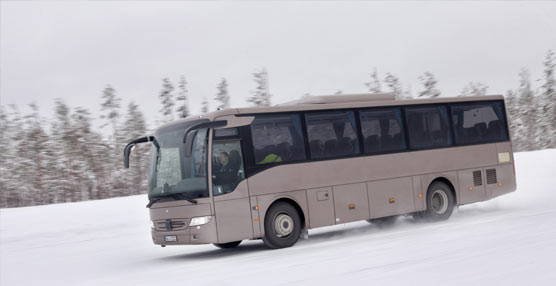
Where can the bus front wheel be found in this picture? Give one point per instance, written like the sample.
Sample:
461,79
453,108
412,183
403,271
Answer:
282,226
227,245
440,203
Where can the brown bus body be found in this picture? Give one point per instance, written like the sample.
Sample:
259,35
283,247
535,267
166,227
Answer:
337,190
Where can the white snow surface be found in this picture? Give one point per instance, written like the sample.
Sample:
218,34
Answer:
510,240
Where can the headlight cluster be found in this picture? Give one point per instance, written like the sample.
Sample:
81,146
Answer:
200,220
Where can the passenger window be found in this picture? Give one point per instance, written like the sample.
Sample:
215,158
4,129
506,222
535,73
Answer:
479,122
332,134
382,130
428,127
227,167
277,138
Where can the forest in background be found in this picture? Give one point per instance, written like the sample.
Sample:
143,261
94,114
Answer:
64,159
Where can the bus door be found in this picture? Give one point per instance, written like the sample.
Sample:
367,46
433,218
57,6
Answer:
231,196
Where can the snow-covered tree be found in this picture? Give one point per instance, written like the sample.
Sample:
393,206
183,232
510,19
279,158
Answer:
166,97
527,112
204,105
394,85
474,89
429,85
110,107
182,99
133,128
222,95
546,105
374,85
261,95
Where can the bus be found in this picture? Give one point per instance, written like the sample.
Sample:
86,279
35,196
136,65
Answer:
273,173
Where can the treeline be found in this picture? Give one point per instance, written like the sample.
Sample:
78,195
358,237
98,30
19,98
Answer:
64,159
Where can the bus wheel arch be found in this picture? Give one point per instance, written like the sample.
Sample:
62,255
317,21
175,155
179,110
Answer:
447,182
295,204
283,210
440,200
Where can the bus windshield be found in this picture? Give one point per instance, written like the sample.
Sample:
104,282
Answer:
171,172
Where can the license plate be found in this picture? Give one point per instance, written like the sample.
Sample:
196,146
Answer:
170,238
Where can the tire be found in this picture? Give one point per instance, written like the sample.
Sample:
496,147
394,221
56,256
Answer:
384,221
440,203
228,245
282,226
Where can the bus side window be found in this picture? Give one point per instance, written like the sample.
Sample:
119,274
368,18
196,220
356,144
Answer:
479,122
227,166
332,134
382,130
277,138
428,127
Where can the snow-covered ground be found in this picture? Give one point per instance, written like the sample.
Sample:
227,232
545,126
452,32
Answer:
510,240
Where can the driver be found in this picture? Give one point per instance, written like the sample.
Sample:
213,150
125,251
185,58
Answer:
225,174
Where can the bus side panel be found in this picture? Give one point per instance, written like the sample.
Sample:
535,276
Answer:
391,197
321,207
501,180
472,186
233,220
233,214
256,218
265,201
418,196
351,202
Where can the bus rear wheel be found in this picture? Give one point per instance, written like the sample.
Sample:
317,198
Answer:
282,226
227,245
440,203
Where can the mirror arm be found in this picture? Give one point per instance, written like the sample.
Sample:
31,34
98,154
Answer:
130,145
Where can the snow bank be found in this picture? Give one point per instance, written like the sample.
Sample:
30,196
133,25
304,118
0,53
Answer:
510,240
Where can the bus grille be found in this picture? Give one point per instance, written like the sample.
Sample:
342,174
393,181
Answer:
477,178
169,225
491,176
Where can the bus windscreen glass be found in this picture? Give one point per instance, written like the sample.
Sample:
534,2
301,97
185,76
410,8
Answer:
172,172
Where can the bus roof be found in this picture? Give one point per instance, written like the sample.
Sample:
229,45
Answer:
325,102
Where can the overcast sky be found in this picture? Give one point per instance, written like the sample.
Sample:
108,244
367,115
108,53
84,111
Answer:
71,50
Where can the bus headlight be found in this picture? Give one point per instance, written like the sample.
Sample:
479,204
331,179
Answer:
200,220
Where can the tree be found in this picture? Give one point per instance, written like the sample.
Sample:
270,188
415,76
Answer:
514,121
429,84
260,96
394,85
182,110
110,106
546,107
135,127
10,178
204,105
474,89
374,85
166,97
222,95
527,112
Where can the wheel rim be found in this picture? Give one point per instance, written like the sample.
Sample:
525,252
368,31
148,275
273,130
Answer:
439,201
283,225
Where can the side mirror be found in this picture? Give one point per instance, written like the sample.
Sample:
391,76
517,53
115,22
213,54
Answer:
131,145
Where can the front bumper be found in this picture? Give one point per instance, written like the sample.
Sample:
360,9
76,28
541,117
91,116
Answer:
201,234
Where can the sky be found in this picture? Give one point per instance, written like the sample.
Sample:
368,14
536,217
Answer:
72,50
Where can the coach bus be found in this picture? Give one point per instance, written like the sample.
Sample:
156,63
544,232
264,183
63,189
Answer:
273,173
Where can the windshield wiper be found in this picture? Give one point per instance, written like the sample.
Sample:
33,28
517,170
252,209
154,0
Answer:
183,196
178,196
